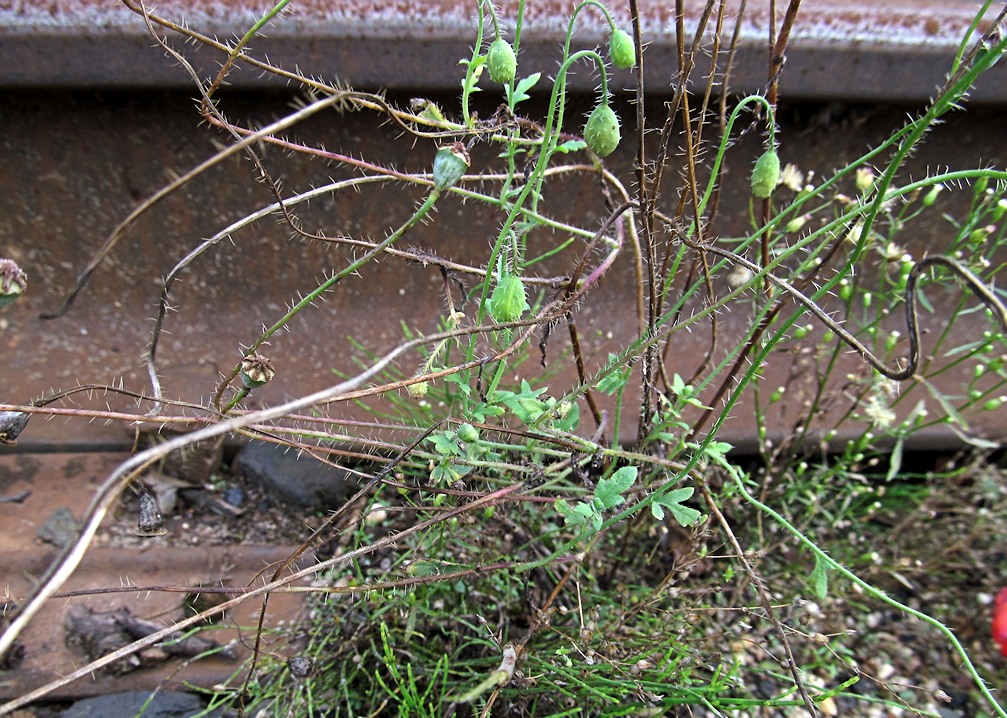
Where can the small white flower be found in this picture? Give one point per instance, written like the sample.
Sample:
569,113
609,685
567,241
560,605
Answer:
739,276
893,252
791,177
865,179
880,414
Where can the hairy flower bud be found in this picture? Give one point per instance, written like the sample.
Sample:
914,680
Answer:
501,61
621,49
601,132
468,433
508,301
766,174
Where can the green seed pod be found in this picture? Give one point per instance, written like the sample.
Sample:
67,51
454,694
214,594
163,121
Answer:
930,197
621,49
601,132
468,433
256,371
766,174
13,281
508,301
450,164
501,61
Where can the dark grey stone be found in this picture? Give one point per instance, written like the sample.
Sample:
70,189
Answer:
300,480
59,529
234,495
165,704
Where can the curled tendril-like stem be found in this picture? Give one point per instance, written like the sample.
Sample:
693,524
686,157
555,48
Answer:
982,292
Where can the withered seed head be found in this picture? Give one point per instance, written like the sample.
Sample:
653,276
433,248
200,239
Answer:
13,281
256,370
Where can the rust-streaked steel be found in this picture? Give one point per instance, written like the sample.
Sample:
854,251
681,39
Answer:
76,164
897,50
70,480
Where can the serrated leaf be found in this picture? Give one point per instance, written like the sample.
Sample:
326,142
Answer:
582,516
609,491
445,445
672,501
522,87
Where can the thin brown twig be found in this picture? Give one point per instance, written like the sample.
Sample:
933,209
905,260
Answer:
764,599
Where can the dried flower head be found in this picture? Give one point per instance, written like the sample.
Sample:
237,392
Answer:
256,370
13,281
150,521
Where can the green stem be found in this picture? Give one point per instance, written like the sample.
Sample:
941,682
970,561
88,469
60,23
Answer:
349,269
242,393
554,119
262,22
573,19
735,475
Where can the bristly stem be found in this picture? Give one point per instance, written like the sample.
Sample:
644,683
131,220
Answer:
349,269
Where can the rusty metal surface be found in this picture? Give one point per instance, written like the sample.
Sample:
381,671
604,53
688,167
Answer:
70,480
76,164
840,50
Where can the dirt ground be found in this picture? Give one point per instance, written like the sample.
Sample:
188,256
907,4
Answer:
933,542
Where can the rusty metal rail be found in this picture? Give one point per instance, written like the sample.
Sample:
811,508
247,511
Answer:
93,118
77,160
859,51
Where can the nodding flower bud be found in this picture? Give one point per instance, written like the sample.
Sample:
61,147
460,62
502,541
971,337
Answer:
13,281
450,164
501,61
256,370
621,49
766,174
508,301
601,131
